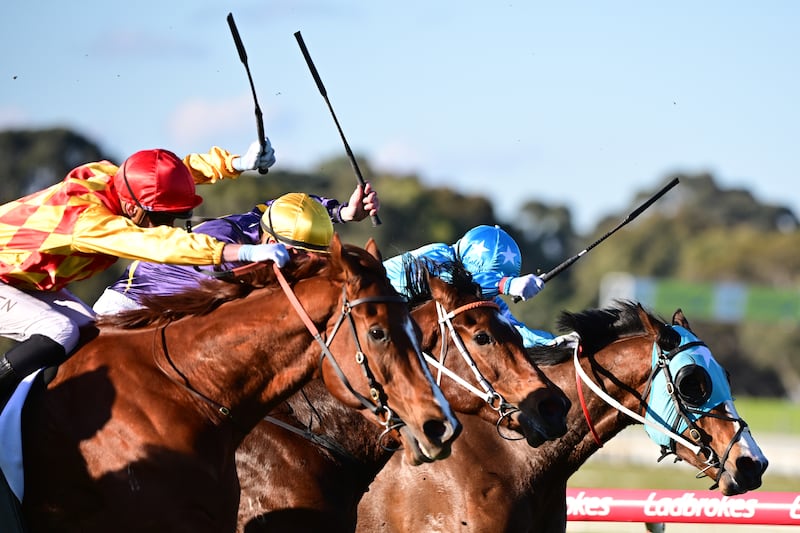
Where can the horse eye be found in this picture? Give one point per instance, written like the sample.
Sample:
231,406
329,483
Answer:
482,338
694,385
377,334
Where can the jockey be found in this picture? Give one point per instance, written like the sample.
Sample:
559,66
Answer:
83,224
494,260
294,220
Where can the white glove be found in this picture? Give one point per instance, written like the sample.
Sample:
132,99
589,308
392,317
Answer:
264,252
253,159
525,287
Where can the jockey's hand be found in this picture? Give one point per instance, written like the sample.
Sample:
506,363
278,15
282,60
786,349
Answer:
264,252
253,159
363,202
525,287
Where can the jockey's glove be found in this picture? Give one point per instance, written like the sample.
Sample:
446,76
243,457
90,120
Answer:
525,287
264,252
253,159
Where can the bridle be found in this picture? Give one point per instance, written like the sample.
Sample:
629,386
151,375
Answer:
377,402
662,359
489,395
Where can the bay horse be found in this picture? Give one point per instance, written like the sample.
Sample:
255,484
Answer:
499,486
306,468
139,428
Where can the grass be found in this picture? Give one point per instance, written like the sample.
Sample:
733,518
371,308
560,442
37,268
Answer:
597,474
766,417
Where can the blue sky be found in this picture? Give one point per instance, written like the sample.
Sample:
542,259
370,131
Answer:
580,103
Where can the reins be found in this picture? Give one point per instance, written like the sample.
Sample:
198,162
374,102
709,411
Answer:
619,407
489,395
377,401
661,365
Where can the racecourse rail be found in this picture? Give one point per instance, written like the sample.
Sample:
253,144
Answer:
686,506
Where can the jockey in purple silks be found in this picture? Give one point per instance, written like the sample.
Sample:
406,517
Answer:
294,220
494,260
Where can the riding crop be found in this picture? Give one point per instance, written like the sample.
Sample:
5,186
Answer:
375,220
262,138
635,213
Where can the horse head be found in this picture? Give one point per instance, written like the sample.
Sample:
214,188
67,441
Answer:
386,368
478,357
702,407
673,384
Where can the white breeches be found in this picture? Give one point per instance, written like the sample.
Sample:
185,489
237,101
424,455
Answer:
58,315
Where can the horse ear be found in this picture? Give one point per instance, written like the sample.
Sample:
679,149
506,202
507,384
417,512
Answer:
679,319
372,248
336,244
644,316
438,288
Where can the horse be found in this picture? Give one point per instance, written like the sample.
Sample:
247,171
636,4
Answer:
139,428
632,359
306,468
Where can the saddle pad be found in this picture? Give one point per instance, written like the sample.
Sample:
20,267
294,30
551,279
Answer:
11,436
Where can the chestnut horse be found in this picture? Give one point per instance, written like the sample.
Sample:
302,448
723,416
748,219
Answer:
499,486
139,429
306,468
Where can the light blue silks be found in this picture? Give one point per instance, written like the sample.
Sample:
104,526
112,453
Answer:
661,407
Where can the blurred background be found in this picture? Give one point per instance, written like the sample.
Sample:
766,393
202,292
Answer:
553,121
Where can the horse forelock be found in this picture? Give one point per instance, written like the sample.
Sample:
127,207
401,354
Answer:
600,327
210,293
417,270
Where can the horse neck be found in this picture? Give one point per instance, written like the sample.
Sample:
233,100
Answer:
245,355
622,370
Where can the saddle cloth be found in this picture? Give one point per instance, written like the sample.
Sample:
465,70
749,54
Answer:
11,436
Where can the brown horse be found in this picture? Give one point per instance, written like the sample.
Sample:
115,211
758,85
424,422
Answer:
499,486
138,430
306,468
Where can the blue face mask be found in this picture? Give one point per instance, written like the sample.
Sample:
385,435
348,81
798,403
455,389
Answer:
700,385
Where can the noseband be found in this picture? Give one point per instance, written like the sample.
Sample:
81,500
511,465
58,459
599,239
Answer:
683,409
376,403
489,395
696,433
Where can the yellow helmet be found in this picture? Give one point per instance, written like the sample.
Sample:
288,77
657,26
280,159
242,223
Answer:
298,220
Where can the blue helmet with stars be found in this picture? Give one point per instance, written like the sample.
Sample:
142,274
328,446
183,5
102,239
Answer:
489,249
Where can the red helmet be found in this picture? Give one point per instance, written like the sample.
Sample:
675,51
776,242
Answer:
157,180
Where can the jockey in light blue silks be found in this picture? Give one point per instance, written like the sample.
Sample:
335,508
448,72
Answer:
494,260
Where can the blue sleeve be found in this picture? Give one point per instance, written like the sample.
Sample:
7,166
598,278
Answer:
436,252
530,337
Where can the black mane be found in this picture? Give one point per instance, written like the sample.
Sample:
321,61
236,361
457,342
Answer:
417,269
598,328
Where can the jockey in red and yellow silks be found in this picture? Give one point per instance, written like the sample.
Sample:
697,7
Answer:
80,226
73,229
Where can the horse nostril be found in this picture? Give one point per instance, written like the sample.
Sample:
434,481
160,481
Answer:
554,409
435,430
750,466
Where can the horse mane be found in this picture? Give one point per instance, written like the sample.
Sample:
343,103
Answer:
600,327
212,292
416,272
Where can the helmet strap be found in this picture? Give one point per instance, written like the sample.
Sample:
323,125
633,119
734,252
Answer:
130,189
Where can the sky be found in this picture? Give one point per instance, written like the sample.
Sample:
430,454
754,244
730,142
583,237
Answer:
583,104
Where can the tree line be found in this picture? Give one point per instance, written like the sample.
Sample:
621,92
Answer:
699,232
